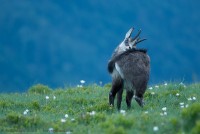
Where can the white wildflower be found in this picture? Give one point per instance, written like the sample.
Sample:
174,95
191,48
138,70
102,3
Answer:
26,112
66,115
189,99
63,120
146,112
82,81
80,86
156,86
194,98
72,119
50,130
123,112
92,113
47,97
177,94
164,109
155,128
164,112
150,88
152,93
186,105
68,132
182,106
54,97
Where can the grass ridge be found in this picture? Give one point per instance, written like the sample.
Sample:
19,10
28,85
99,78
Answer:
170,108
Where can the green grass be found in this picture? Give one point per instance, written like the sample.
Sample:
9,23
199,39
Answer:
88,111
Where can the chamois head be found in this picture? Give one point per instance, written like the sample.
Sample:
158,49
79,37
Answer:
129,42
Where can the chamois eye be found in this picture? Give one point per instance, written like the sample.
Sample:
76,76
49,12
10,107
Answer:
126,43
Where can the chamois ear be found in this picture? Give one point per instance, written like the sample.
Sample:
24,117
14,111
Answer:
128,34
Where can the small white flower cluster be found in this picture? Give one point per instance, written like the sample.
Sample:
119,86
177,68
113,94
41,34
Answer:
177,94
92,113
81,85
26,112
192,98
150,88
47,97
66,115
164,111
165,84
68,132
63,120
182,105
155,128
72,119
123,112
146,112
51,130
157,86
82,81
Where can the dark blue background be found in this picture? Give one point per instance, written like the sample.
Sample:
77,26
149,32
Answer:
58,43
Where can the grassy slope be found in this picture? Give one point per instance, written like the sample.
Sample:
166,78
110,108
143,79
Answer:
79,103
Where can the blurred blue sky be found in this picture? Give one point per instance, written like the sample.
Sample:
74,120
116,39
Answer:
58,42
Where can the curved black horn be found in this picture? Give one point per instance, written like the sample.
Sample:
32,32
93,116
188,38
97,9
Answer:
140,40
138,34
137,39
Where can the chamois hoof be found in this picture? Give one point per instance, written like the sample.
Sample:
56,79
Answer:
140,101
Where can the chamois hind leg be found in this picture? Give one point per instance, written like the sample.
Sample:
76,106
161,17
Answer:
119,98
116,86
129,96
139,97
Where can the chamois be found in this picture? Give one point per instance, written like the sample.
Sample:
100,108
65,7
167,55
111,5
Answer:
129,68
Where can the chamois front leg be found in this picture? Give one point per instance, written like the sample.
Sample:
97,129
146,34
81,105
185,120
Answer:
129,96
117,85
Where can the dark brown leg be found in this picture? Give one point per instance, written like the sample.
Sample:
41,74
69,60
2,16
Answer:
117,85
129,96
139,98
119,98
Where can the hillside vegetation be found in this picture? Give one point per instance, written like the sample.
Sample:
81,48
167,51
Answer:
170,108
